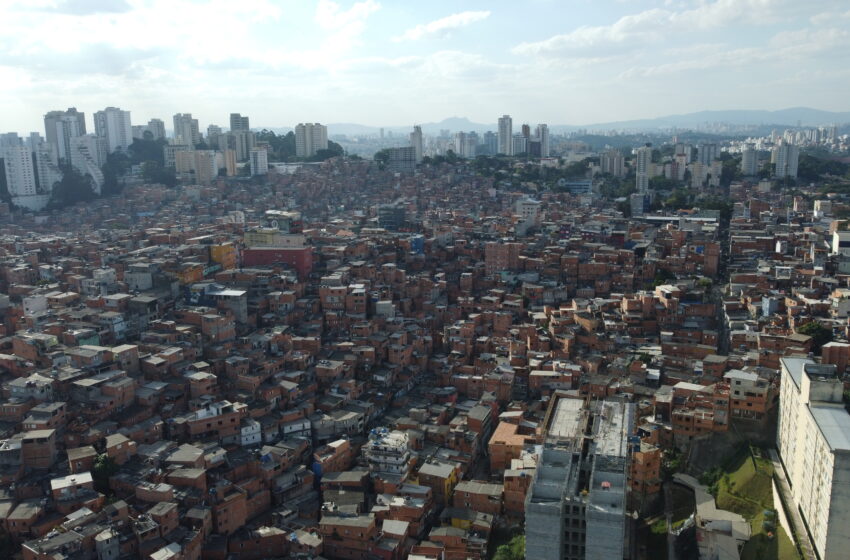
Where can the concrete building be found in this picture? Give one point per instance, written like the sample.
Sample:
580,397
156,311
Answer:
642,165
186,129
519,144
55,129
576,508
787,157
613,163
259,161
813,440
749,161
388,452
239,123
543,137
707,153
154,130
402,160
46,164
416,142
506,135
240,141
310,138
88,154
391,216
196,166
20,179
113,124
67,128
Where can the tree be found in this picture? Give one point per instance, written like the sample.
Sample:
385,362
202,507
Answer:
73,188
116,166
514,550
819,333
104,468
142,150
153,172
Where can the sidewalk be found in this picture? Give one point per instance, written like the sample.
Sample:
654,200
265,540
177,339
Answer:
800,535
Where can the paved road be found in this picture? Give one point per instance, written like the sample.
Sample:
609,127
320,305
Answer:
796,520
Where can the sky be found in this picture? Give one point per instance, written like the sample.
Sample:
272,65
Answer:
400,62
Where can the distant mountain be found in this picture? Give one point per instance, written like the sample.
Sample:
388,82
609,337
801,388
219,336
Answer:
796,116
454,124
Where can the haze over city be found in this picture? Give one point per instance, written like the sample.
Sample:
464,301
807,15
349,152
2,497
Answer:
393,280
396,63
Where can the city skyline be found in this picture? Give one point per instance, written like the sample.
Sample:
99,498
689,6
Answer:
359,61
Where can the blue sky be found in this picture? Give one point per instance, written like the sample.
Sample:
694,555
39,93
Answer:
381,62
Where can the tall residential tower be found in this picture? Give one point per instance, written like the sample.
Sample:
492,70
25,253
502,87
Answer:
506,135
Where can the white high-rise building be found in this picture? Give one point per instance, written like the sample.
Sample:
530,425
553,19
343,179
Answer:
310,138
238,122
749,161
519,145
46,163
66,128
416,142
813,441
186,129
543,136
613,163
213,133
20,176
787,158
706,153
642,164
157,128
52,130
10,140
34,141
88,154
259,161
113,124
506,135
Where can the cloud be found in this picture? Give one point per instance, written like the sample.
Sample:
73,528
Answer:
454,21
628,31
651,26
88,7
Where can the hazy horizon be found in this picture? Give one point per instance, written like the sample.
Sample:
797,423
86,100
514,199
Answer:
388,64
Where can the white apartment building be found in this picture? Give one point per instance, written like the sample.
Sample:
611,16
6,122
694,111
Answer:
388,452
416,142
813,440
310,138
259,161
749,161
20,178
88,154
506,135
186,129
787,157
644,161
543,136
113,124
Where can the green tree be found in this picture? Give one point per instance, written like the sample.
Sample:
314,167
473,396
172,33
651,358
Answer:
383,157
104,468
819,333
116,166
514,550
73,188
153,172
142,150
